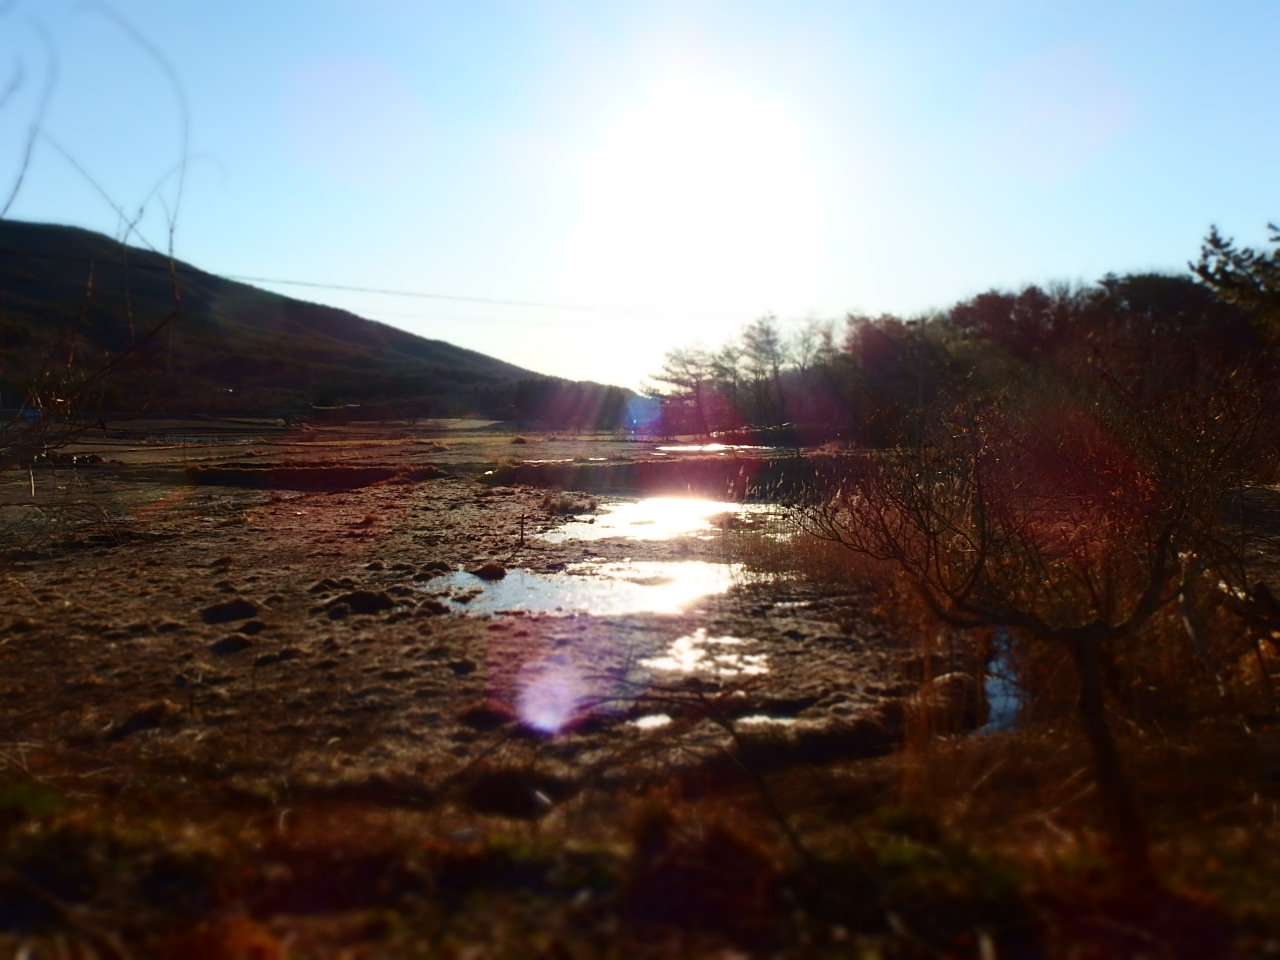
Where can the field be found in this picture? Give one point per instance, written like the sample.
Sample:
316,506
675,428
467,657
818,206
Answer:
246,712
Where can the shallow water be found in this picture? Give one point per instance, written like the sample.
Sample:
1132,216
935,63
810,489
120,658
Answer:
711,448
653,518
1004,694
603,589
652,721
176,439
699,653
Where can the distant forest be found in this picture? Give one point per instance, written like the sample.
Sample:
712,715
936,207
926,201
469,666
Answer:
90,326
872,380
550,402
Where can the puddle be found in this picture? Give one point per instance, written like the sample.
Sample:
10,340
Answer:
699,653
176,439
568,460
711,448
603,589
655,721
654,518
651,722
1004,694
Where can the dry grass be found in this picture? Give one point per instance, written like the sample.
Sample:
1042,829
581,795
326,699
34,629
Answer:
954,842
965,846
1206,776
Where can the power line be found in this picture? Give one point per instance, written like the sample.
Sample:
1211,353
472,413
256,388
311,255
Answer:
640,323
437,296
181,268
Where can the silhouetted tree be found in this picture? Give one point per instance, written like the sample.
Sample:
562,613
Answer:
1242,275
1060,512
765,356
691,372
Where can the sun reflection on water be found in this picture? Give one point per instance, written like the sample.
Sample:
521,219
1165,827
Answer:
653,518
603,589
698,652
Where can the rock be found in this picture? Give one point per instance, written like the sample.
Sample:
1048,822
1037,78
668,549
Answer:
952,703
160,713
490,571
232,644
363,601
285,653
486,716
237,609
328,583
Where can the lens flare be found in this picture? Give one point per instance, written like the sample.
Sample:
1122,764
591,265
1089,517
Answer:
550,694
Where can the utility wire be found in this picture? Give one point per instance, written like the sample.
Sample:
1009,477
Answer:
438,296
381,291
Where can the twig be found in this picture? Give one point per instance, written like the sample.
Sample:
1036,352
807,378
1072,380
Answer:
72,916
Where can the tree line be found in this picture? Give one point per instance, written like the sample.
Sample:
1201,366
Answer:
868,380
1063,471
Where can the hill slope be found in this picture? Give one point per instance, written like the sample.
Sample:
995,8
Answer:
71,293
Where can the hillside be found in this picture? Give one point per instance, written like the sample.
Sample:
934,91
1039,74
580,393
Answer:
66,292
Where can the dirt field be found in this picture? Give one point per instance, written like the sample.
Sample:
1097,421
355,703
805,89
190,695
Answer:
255,702
173,643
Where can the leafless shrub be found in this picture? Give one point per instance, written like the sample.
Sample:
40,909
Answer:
1071,519
66,380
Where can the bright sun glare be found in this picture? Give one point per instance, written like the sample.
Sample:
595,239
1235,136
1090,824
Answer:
703,194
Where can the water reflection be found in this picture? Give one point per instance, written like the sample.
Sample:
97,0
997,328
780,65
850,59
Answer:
699,653
604,589
1004,693
651,722
710,448
654,518
174,439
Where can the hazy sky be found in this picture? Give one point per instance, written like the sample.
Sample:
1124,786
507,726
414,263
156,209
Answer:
635,176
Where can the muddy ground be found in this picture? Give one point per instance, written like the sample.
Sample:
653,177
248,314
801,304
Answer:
246,709
295,642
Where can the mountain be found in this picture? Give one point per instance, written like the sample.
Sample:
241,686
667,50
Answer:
72,300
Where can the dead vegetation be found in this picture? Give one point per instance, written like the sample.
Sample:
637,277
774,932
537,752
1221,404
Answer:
286,782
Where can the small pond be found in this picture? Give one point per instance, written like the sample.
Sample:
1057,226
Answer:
654,518
720,448
199,440
603,589
611,588
699,653
1004,694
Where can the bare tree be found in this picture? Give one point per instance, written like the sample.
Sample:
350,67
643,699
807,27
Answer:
690,370
765,354
62,389
1058,515
1242,275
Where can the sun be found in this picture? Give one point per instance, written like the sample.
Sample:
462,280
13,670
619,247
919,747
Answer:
703,193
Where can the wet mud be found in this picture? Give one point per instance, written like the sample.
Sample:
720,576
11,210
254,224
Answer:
257,639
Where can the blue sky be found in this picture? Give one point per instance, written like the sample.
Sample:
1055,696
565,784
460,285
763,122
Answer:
655,173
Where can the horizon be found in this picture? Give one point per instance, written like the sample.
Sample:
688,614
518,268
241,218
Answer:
578,191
